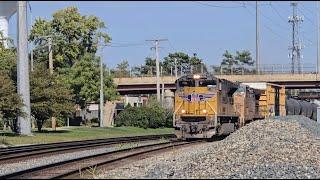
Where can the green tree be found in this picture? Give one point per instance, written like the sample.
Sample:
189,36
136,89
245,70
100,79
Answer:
8,60
245,60
74,43
183,60
84,79
238,63
149,67
74,35
10,102
228,62
122,69
49,97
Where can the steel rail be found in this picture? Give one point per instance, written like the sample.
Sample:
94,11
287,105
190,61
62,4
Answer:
28,152
71,168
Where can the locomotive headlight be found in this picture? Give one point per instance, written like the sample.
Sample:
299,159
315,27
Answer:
183,111
196,76
204,111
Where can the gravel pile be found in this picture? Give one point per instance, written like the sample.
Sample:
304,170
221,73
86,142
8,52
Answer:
282,148
305,122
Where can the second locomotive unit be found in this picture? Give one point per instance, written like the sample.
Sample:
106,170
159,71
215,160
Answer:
206,106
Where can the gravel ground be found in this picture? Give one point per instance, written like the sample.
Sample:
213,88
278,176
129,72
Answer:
22,165
305,122
287,147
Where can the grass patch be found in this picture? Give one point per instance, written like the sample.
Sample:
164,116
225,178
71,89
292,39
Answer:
78,133
4,140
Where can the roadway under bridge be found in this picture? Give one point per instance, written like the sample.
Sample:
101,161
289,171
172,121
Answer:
147,85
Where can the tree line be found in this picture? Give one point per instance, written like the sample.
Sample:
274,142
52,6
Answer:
184,63
241,62
75,81
76,77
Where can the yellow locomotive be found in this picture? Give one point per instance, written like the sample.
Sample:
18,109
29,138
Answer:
206,106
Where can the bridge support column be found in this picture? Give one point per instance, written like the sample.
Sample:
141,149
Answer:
168,99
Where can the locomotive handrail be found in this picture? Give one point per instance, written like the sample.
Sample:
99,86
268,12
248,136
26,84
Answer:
174,113
215,112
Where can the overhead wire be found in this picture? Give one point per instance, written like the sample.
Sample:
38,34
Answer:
313,13
278,13
172,45
216,6
281,17
112,44
265,25
306,16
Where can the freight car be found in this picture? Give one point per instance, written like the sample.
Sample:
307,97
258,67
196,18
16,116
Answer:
206,106
300,107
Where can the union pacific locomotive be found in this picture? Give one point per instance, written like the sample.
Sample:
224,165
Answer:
206,106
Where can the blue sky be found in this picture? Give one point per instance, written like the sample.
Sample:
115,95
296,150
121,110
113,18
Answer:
206,29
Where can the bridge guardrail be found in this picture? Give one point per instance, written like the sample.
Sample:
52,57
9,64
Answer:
216,70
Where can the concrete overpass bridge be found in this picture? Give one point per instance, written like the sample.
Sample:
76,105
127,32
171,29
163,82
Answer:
147,85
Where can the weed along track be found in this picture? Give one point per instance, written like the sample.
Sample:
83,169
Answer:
87,166
14,154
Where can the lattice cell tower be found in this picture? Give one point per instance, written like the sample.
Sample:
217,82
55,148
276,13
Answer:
296,46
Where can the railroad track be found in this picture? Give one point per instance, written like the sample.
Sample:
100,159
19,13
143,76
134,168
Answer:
14,154
80,167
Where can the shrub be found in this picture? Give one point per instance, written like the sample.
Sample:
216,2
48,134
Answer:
144,117
150,116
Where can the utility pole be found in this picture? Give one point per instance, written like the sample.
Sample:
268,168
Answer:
50,55
101,94
53,119
318,40
31,62
24,122
296,44
175,68
31,53
257,41
156,43
201,68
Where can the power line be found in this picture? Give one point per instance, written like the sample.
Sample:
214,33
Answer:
122,43
265,25
271,20
277,12
132,45
171,45
308,9
242,3
306,16
216,6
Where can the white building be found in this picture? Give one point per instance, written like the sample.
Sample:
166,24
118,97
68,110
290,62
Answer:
7,9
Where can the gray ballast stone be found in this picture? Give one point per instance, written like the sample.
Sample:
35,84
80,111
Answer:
37,162
285,148
305,122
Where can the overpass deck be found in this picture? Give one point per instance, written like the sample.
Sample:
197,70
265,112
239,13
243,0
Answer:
290,81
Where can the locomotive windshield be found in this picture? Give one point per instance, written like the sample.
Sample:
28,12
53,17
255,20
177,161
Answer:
187,83
206,83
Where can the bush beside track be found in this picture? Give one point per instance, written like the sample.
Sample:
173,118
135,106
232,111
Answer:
145,117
